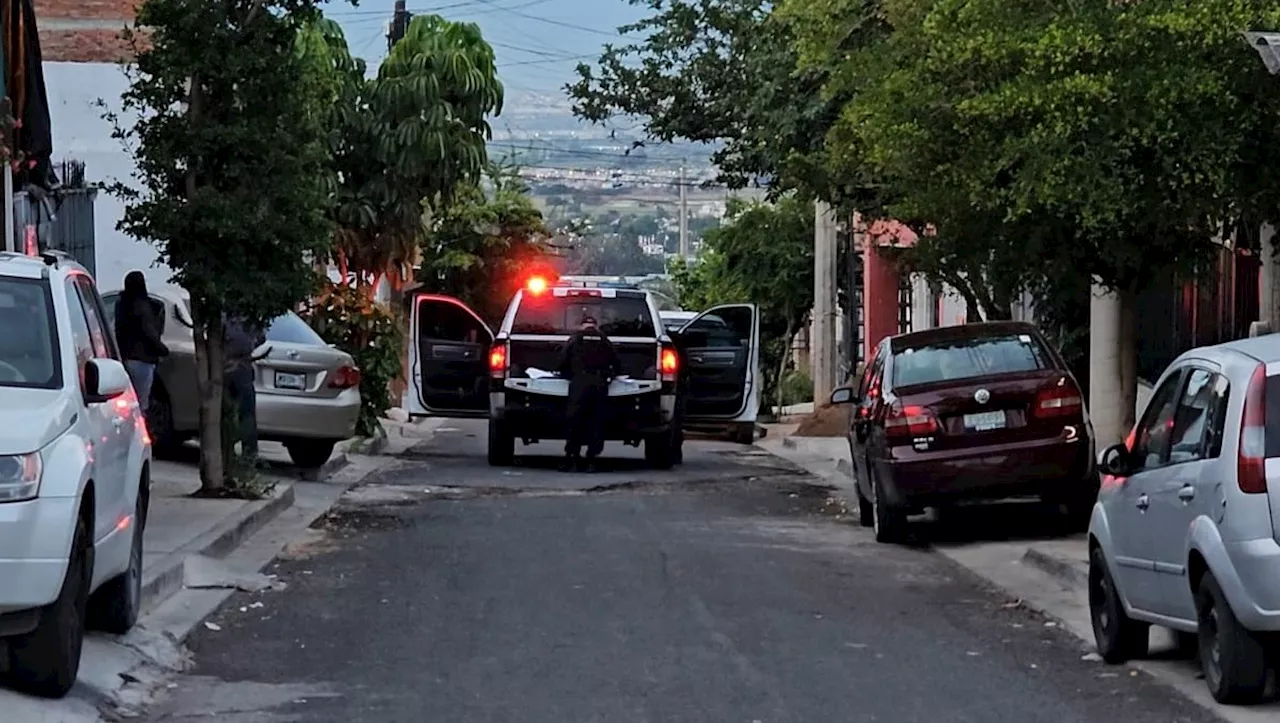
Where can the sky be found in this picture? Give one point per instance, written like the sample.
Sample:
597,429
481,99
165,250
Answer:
537,42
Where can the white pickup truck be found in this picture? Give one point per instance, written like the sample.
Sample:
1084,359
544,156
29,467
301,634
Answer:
701,376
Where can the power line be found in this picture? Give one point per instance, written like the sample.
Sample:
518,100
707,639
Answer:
559,23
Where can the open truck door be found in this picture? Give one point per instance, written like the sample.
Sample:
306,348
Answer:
449,348
721,389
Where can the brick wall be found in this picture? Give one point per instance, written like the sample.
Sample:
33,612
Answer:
84,31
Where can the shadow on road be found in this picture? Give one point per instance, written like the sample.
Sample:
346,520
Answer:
1010,521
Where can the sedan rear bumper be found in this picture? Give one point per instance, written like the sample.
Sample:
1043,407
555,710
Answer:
1051,467
282,416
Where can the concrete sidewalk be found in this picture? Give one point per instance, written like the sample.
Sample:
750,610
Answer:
1047,575
202,550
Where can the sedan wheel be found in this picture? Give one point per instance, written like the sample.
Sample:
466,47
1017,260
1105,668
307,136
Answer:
889,522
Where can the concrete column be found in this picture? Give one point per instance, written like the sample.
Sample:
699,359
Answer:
1269,279
1110,345
822,344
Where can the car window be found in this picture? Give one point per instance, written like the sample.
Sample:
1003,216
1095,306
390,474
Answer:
965,358
876,380
548,314
81,334
1151,438
100,330
28,335
730,328
291,329
110,300
448,321
1192,418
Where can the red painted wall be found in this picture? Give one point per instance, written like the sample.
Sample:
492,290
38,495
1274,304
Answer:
879,297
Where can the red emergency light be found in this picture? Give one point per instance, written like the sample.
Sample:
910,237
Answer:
536,284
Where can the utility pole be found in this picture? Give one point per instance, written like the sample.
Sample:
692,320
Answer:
684,217
823,339
399,24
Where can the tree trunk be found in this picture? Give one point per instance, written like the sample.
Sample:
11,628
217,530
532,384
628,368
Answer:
209,385
782,365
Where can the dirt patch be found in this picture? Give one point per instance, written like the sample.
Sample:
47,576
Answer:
829,420
318,543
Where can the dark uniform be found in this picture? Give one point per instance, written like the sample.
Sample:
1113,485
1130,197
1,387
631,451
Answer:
589,362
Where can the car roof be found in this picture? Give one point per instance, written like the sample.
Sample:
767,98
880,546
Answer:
961,332
1265,348
34,267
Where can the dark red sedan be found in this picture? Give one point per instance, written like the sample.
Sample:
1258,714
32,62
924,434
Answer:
967,413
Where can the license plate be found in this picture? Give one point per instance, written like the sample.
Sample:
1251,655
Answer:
984,421
291,381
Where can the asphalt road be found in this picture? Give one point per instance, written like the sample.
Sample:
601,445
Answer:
727,590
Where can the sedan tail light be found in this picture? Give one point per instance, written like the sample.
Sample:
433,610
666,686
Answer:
346,377
911,420
1251,473
1060,400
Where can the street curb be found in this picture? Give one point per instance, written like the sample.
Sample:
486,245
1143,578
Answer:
168,576
1051,565
844,467
761,431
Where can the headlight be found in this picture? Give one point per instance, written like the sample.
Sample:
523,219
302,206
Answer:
19,477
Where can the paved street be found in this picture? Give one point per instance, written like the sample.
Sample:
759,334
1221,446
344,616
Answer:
729,589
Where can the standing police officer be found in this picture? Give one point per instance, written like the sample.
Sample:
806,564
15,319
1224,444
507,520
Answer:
589,362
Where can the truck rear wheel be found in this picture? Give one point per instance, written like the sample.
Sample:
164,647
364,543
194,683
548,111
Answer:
659,451
502,444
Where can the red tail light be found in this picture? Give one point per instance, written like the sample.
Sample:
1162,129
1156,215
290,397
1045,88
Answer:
498,361
1251,473
1060,400
346,377
668,363
910,421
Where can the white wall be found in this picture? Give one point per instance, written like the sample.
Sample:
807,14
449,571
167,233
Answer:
80,132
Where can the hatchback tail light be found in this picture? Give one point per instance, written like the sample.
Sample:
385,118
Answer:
911,420
1063,399
1251,473
668,363
346,377
499,360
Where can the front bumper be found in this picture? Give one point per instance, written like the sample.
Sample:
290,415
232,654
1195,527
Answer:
542,416
35,539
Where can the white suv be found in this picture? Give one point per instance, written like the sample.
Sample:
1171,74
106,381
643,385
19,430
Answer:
74,473
1186,532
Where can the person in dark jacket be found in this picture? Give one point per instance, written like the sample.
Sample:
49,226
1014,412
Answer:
240,340
589,362
138,332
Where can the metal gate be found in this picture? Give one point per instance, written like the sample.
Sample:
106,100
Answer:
904,303
63,221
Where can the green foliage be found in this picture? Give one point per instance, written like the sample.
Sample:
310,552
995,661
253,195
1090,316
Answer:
483,243
719,70
372,335
231,165
416,132
797,388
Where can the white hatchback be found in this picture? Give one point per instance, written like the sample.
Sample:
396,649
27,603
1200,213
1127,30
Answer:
74,474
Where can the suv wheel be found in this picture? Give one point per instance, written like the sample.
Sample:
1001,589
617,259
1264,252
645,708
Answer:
1119,637
502,445
117,604
46,660
1233,658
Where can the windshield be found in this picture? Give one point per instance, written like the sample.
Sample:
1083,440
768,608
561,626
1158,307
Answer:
963,359
619,316
28,337
291,329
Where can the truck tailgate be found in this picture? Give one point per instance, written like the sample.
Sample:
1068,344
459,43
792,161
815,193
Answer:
639,359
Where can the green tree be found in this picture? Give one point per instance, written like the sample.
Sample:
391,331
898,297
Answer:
483,243
231,162
405,140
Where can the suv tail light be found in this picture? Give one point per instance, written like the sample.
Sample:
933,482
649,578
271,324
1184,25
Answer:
1251,458
668,363
499,359
1060,400
912,420
346,377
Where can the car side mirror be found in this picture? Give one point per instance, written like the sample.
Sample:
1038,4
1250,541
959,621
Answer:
104,380
842,395
1116,460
